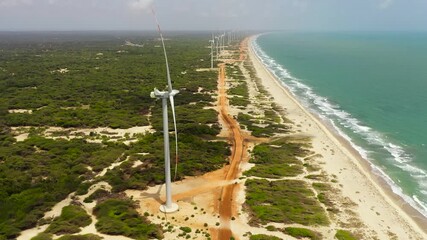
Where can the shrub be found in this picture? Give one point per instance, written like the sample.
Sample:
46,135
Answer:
287,201
96,195
185,229
118,217
263,237
71,219
344,235
42,236
81,237
302,233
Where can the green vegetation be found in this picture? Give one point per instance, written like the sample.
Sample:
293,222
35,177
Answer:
275,170
81,237
108,84
43,236
269,125
53,169
277,159
196,156
302,233
72,218
118,217
96,195
239,91
185,229
239,101
263,237
344,235
271,228
287,201
102,74
261,127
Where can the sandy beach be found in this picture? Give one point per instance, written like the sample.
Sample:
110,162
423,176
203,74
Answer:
382,213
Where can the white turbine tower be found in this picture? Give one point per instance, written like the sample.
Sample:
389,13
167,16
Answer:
169,206
217,47
223,41
212,41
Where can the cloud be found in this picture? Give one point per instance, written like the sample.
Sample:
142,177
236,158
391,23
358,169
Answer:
140,4
385,4
11,3
300,4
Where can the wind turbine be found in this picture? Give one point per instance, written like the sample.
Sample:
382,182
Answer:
168,206
223,41
212,41
217,46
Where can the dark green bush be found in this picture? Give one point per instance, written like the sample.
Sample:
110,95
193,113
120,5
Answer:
263,237
302,233
81,237
72,218
344,235
118,217
287,201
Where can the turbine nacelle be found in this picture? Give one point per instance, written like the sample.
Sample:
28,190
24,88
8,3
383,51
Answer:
163,94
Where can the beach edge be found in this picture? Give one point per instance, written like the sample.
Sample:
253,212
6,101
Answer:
412,217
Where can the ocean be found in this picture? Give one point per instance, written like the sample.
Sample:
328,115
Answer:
371,87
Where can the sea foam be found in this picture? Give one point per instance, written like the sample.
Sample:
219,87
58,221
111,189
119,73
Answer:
343,122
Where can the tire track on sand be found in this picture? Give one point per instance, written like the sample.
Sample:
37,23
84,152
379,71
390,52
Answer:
237,139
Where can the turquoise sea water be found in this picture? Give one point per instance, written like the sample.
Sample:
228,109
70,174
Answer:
372,87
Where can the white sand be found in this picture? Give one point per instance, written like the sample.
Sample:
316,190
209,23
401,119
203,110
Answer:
376,209
29,111
111,167
128,135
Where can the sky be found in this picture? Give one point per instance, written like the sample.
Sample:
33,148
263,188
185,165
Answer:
303,15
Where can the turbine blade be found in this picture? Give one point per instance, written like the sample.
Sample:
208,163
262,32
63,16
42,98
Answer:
172,101
164,51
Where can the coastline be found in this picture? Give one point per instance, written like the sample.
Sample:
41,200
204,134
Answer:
378,207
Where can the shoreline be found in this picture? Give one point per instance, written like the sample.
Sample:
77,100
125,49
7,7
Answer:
397,210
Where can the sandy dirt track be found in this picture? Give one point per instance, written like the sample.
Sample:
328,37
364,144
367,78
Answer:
226,205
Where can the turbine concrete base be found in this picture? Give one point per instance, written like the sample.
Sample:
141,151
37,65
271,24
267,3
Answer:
171,209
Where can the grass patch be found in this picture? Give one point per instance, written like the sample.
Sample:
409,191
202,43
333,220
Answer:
277,159
263,237
302,233
287,201
42,236
270,130
196,156
275,170
81,237
279,151
239,101
240,89
118,217
72,218
99,193
344,235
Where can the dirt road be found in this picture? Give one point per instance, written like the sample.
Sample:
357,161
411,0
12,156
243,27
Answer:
237,139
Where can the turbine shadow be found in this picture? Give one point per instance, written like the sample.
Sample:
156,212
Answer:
155,196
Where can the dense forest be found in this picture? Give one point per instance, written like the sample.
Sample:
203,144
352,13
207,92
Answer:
91,80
